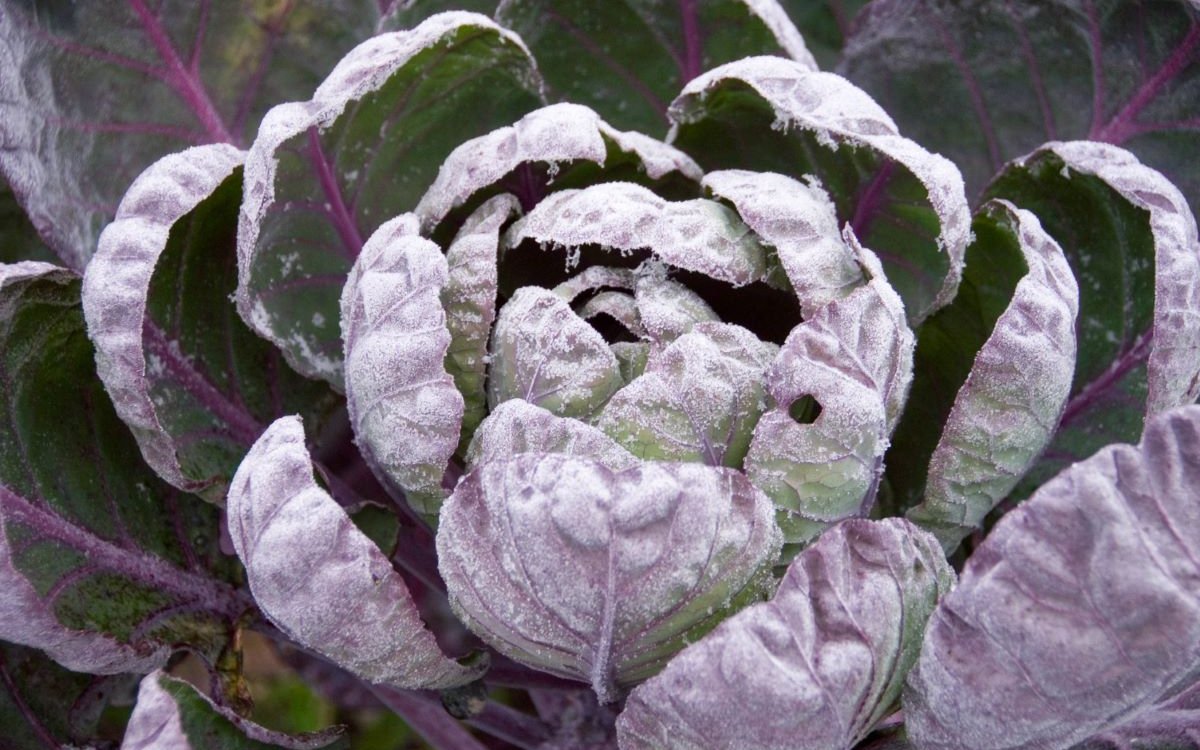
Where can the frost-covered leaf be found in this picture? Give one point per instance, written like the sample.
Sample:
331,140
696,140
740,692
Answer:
799,222
1172,726
854,358
1132,244
92,92
544,353
698,235
698,399
320,579
563,145
172,715
404,406
1007,409
667,308
902,201
985,82
469,299
595,278
517,426
405,14
192,382
1080,613
816,667
600,575
325,173
45,706
102,566
627,59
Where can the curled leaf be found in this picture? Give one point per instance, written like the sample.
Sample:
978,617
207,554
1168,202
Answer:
816,667
600,575
1080,612
405,408
320,579
667,308
517,426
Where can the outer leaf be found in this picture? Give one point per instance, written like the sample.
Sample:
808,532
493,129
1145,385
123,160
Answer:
627,59
95,91
983,82
319,578
1007,410
18,239
799,221
771,114
588,573
698,400
325,173
45,706
102,566
1132,243
1079,613
569,140
547,355
171,715
192,382
516,427
816,667
854,357
469,299
404,406
698,235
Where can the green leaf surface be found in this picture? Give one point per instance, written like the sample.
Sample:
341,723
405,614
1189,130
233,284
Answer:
1132,243
195,385
95,91
103,566
171,713
902,201
324,174
627,58
984,82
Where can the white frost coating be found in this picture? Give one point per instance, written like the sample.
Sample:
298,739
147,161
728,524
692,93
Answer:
544,353
565,565
1173,373
696,235
777,21
363,70
800,222
1080,612
157,722
617,305
117,282
405,408
698,399
1009,407
517,426
817,667
558,133
836,111
667,308
593,278
319,578
854,356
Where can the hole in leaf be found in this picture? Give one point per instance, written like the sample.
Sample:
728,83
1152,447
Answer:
805,410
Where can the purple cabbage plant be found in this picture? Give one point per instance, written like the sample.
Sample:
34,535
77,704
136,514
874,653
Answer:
560,374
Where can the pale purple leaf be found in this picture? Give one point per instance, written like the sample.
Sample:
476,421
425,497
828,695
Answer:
404,406
324,174
698,399
171,714
517,427
555,136
697,235
800,223
818,666
544,353
598,575
1008,409
594,278
837,115
854,357
667,308
1080,612
322,581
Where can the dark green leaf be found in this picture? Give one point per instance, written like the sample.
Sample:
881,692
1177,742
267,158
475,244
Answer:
18,239
825,24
